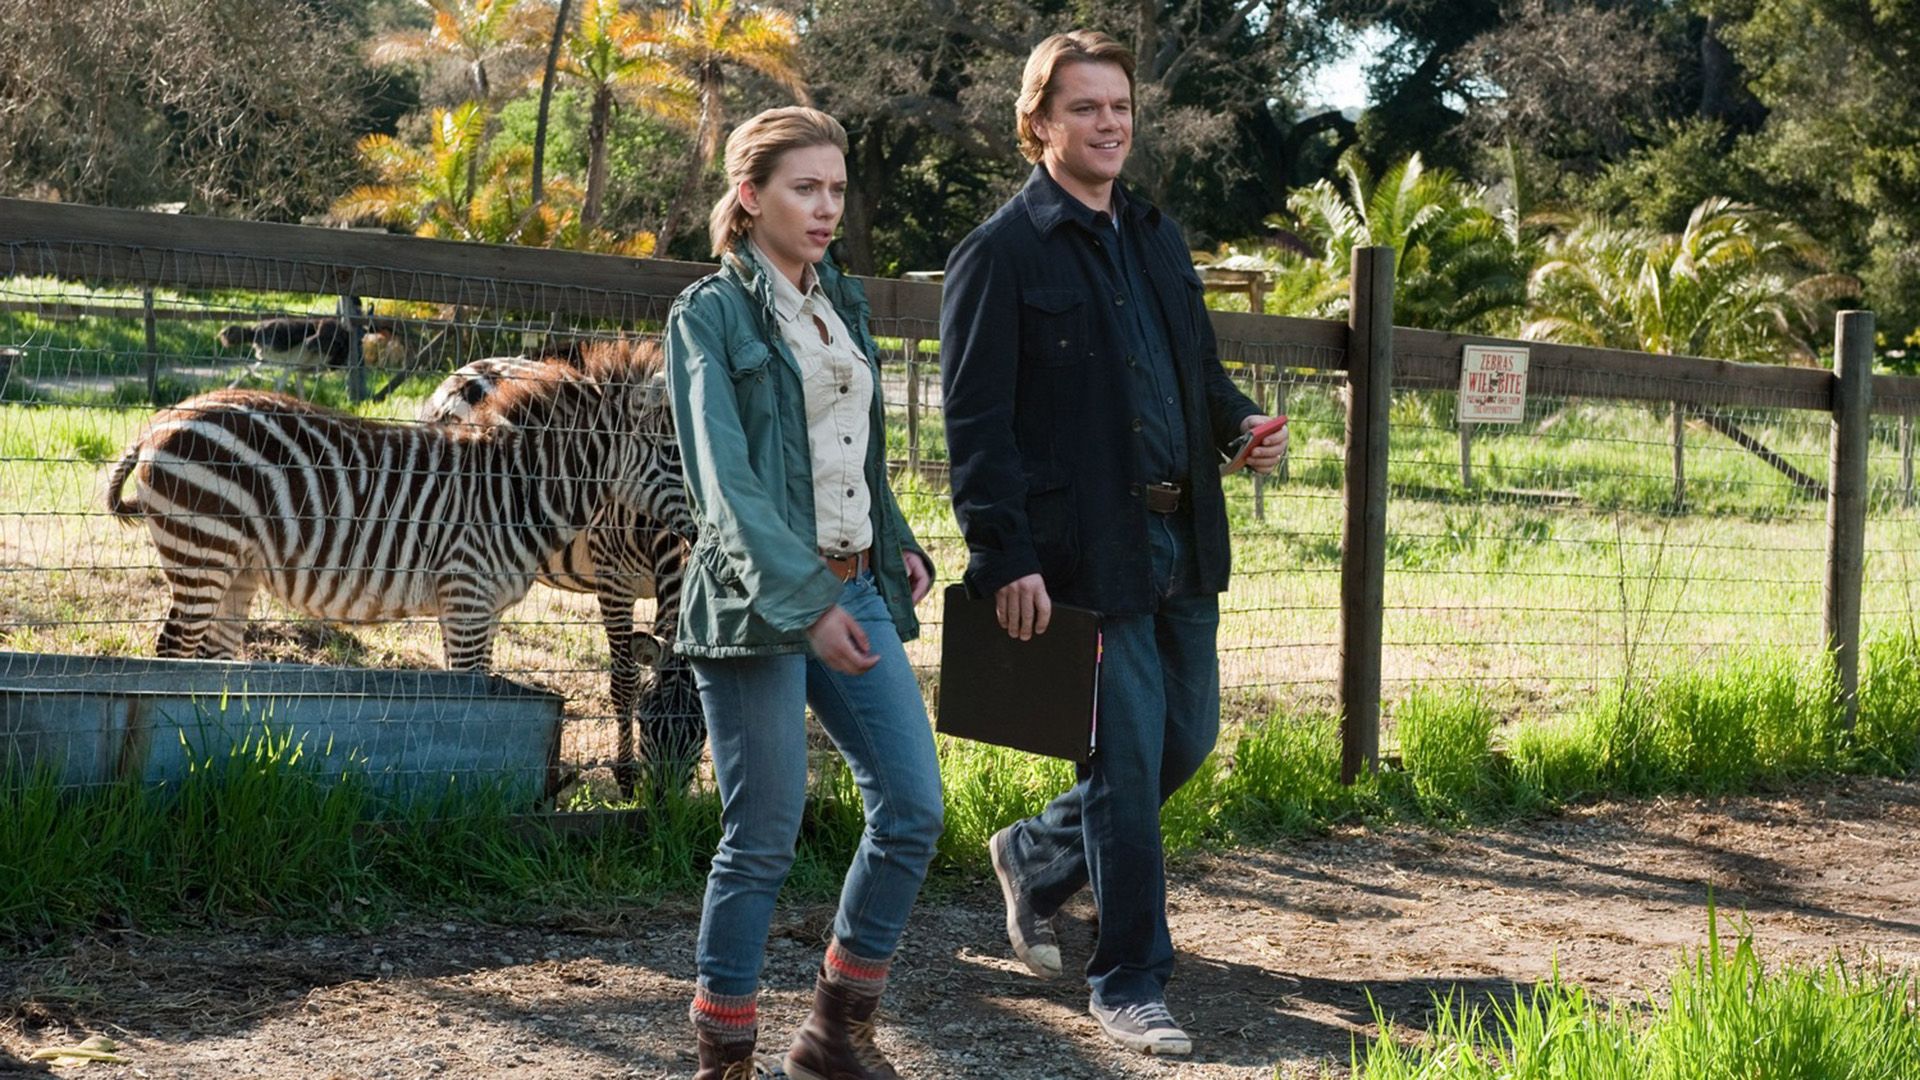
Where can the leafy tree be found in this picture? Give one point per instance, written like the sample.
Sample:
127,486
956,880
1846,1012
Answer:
131,102
1457,264
705,40
1841,142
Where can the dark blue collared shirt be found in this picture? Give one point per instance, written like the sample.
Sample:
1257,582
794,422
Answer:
1156,387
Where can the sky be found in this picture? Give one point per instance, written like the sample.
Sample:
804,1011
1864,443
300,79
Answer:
1343,82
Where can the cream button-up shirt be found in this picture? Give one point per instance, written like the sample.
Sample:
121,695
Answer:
837,382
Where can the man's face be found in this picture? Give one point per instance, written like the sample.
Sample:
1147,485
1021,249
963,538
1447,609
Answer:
1086,129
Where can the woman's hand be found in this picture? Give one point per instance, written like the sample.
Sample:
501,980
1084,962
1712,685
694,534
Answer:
919,574
840,644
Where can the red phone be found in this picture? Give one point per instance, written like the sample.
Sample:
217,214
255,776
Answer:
1238,450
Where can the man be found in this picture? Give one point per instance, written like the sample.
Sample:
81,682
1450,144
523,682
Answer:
1086,414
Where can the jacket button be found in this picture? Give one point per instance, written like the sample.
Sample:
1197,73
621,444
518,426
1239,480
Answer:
1119,301
1133,361
1133,490
1137,425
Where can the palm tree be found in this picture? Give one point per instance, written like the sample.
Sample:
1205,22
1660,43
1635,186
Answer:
615,54
429,192
1736,283
426,192
474,32
1457,265
704,40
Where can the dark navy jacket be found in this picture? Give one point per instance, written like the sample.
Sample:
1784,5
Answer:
1040,407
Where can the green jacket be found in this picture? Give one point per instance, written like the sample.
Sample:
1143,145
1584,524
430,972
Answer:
756,581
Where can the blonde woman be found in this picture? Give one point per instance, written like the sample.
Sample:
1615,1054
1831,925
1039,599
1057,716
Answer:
800,591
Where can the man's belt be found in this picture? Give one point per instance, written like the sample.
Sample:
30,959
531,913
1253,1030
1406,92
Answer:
1162,498
847,567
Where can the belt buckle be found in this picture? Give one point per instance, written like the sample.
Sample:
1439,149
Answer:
1163,498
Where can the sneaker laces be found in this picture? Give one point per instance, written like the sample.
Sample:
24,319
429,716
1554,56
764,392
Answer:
1150,1014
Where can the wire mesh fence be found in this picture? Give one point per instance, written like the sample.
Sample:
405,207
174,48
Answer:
1633,521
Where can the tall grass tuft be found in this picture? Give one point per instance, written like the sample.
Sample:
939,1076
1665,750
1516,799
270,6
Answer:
1762,717
1886,737
1446,740
1726,1016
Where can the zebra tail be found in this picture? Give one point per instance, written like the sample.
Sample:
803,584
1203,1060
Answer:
124,509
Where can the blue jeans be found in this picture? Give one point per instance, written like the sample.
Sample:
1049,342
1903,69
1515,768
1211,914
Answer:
756,724
1159,717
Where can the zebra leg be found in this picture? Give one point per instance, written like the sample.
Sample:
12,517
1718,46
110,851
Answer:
197,595
616,614
229,626
671,721
467,626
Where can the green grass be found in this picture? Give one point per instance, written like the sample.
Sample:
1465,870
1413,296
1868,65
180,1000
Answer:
259,833
1725,1015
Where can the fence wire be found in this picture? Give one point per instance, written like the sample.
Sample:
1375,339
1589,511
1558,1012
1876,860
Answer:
1595,542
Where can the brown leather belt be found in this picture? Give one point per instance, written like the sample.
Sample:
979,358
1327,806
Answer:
1163,498
847,567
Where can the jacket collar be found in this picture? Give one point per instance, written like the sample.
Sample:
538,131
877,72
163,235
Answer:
1048,204
748,272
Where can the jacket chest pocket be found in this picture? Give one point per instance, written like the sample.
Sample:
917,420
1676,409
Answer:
1053,326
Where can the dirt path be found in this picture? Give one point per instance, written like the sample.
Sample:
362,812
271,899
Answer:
1278,950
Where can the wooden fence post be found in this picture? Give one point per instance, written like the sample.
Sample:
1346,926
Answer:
1679,456
152,360
352,321
910,347
1466,455
1280,409
1363,536
1906,461
1847,501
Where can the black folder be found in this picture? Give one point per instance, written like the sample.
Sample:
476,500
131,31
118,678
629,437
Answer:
1041,695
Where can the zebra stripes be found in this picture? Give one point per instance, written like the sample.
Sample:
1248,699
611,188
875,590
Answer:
357,520
632,549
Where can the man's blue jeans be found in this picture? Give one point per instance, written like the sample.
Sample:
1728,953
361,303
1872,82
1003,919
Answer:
1159,716
756,724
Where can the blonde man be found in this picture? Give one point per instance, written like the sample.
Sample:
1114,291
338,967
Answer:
1086,413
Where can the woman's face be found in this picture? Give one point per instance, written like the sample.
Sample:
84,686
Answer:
797,209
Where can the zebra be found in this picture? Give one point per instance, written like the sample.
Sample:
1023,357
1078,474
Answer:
360,520
631,550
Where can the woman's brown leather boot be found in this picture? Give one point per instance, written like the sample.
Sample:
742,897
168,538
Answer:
724,1060
836,1042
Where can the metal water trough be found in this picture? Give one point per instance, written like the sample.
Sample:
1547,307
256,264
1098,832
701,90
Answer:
93,720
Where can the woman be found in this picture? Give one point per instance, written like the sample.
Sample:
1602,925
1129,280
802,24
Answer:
800,591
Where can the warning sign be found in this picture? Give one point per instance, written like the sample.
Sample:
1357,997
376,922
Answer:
1493,385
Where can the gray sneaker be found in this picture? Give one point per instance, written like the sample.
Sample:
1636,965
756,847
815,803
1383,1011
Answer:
1147,1027
1030,935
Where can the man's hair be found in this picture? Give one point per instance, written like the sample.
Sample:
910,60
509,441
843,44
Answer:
754,151
1036,85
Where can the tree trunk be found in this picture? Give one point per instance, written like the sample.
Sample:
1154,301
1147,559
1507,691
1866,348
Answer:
546,100
599,130
706,140
870,177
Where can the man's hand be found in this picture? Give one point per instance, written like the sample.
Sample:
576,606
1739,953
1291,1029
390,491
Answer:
919,574
1023,607
1265,457
840,644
